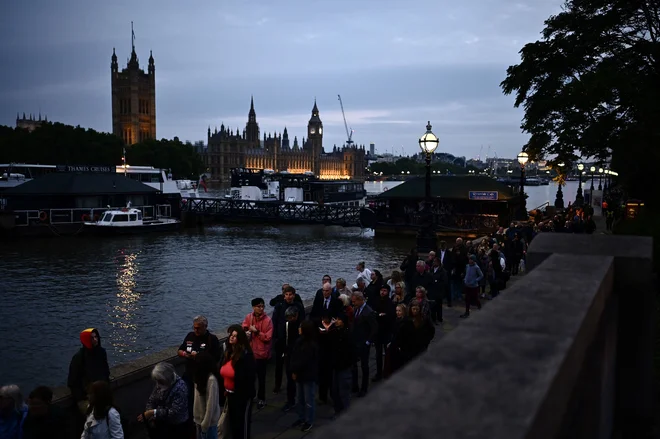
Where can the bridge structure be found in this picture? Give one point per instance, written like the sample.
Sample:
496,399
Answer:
272,212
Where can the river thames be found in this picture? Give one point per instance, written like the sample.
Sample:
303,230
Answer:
142,292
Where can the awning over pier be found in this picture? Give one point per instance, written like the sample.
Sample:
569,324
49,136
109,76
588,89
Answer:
452,187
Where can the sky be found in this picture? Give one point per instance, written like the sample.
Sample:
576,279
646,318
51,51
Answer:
396,65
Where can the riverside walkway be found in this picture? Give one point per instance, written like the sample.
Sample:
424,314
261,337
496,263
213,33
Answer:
273,423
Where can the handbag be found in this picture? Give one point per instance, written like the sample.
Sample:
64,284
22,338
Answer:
224,432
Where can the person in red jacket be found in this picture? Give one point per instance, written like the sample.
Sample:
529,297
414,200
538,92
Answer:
259,329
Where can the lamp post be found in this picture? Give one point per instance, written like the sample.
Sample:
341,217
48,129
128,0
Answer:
523,157
579,199
600,179
426,237
592,169
559,200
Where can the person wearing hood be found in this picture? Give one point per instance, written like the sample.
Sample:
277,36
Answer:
88,365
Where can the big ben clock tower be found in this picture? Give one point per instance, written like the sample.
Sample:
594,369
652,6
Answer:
315,138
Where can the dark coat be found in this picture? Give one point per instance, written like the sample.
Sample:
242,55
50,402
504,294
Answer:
279,321
386,321
280,298
87,366
205,343
440,283
54,425
365,326
342,348
305,361
415,340
319,311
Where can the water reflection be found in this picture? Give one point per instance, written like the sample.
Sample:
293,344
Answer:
123,312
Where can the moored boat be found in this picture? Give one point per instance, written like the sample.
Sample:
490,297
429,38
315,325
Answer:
130,221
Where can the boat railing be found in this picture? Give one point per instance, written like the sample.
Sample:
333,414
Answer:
81,215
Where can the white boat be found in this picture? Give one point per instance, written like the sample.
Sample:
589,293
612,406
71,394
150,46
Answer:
129,221
159,179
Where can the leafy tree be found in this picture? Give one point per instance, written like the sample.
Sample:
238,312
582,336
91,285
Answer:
591,86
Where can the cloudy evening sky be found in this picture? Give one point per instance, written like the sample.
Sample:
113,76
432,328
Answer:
396,65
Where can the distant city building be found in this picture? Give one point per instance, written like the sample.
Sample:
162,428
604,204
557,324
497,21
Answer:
372,149
31,123
133,98
232,149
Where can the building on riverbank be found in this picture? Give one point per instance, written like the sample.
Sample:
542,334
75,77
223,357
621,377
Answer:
133,98
229,149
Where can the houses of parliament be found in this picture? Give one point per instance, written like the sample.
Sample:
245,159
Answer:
232,149
134,120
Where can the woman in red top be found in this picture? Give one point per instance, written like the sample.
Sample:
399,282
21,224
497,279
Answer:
238,373
259,329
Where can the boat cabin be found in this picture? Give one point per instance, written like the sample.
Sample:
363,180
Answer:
121,218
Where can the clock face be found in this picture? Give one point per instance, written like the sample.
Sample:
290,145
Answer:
312,130
321,130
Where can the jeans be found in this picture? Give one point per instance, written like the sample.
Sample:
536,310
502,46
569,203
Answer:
211,433
306,403
341,389
261,378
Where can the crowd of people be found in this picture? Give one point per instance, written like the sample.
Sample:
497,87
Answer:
322,355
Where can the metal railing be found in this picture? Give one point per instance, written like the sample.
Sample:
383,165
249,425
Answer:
80,215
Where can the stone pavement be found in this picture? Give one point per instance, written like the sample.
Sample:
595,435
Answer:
273,423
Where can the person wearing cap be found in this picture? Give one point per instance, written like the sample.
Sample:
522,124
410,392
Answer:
473,276
259,329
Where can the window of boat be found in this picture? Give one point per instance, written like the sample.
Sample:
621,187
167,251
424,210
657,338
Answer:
139,215
132,217
120,218
107,217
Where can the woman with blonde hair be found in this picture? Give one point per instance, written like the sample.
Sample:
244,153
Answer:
395,280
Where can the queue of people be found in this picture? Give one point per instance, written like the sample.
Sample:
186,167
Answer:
322,355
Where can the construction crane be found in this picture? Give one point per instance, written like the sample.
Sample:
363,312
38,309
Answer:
349,134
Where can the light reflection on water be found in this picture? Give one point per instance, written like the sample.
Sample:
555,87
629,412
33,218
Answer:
142,292
124,311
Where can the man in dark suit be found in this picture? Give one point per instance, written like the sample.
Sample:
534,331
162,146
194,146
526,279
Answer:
326,307
326,303
365,330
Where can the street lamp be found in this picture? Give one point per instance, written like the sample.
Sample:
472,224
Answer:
426,237
600,179
579,199
559,201
523,157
